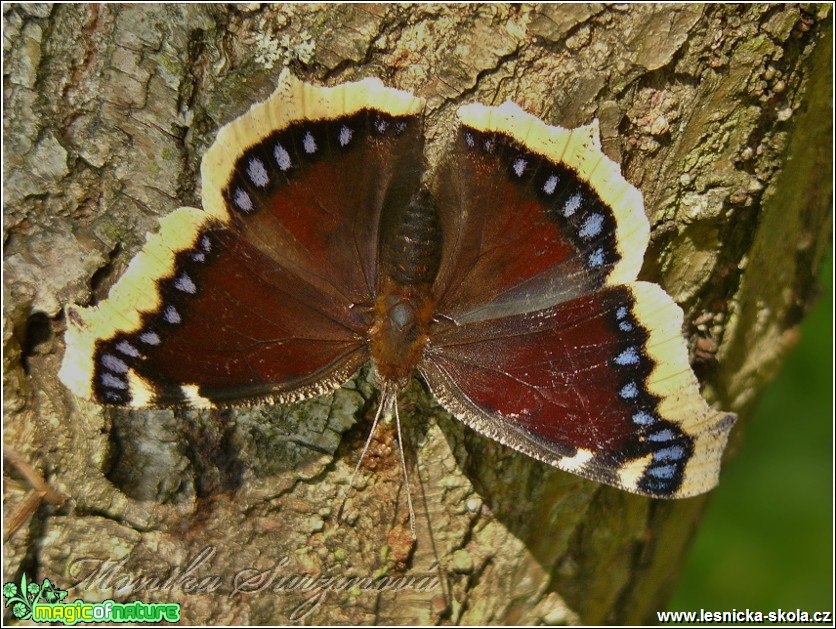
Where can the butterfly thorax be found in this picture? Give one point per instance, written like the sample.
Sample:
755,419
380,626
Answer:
404,306
400,331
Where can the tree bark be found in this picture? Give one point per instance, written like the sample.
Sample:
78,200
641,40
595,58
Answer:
719,114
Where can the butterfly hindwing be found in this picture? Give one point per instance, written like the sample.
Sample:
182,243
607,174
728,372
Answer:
599,385
215,334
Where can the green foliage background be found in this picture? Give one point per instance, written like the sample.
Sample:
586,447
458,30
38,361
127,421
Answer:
767,538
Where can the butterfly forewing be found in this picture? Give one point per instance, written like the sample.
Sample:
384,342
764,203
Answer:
521,230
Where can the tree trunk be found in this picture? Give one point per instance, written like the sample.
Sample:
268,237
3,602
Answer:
719,114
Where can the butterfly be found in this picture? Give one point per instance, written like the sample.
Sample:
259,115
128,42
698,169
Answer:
505,276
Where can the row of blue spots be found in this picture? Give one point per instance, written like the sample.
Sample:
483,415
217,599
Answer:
592,225
259,176
114,373
667,459
667,456
258,173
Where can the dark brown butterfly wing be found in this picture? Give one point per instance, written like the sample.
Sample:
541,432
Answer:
544,340
521,228
267,292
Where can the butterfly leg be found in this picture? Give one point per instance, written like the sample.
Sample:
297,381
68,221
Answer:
377,416
403,464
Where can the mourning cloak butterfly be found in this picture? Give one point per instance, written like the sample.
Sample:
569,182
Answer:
507,279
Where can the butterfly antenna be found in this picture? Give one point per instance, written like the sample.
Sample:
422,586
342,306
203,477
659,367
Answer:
377,416
394,404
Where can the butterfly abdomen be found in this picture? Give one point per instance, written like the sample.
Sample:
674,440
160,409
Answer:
411,251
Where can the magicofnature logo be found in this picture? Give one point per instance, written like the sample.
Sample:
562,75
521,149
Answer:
45,603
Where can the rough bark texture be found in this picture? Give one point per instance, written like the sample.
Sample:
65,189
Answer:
719,114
